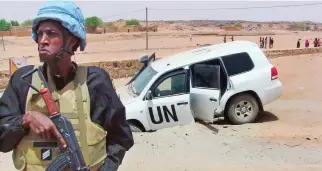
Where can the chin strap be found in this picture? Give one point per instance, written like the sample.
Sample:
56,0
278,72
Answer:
64,48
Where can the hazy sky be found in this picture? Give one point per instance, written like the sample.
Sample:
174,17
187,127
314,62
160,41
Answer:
21,10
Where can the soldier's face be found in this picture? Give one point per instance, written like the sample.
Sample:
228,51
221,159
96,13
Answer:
50,39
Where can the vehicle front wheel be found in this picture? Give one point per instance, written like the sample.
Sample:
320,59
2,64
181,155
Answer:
242,109
135,128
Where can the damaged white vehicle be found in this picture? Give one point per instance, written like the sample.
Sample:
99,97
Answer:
234,80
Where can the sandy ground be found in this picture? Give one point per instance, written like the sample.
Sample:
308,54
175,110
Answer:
286,137
107,47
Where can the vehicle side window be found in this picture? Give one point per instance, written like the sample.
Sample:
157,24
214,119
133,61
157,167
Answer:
170,86
238,63
206,76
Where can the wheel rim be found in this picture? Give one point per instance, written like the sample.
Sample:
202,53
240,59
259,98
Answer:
244,109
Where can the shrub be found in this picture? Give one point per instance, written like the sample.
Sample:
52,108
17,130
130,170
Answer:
26,23
108,24
93,22
132,22
238,25
14,23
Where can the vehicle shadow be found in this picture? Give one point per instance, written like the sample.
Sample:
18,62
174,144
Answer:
221,121
266,117
263,117
208,125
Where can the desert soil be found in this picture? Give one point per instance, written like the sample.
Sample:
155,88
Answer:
108,47
286,137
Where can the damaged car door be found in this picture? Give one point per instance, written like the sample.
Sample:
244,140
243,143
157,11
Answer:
205,91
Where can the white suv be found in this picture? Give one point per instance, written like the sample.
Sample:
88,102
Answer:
234,80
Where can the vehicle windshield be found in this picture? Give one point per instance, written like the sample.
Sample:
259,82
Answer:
142,80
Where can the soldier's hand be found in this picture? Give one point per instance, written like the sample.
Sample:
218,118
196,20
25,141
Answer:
43,126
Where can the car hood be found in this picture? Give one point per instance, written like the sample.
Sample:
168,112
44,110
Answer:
125,97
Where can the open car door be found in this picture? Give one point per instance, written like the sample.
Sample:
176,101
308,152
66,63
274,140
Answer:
205,91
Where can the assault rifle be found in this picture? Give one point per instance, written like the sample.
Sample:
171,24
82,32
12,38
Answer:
71,156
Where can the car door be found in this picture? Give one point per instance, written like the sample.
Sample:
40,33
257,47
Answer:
168,101
205,91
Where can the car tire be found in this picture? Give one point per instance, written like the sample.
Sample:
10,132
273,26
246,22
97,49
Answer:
135,128
242,109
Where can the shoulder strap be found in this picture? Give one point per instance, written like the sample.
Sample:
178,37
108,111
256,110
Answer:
36,82
81,97
81,76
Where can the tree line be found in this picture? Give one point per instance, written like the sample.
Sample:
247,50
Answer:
92,22
6,25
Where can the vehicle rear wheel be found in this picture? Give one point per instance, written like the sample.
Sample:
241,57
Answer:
242,109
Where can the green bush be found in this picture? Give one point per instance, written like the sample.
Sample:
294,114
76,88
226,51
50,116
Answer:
93,21
238,25
108,24
4,25
26,23
302,27
132,22
14,23
299,26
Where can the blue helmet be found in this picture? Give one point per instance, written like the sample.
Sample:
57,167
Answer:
67,13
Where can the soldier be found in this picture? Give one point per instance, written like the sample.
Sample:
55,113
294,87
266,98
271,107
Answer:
85,95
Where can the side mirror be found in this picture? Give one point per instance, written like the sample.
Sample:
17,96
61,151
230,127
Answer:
149,95
143,59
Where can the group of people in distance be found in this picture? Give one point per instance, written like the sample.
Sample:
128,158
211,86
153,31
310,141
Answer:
316,43
225,39
264,41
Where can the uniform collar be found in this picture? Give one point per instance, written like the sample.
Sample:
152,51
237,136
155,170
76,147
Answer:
59,82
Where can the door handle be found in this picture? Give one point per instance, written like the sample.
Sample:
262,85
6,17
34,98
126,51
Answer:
212,99
182,103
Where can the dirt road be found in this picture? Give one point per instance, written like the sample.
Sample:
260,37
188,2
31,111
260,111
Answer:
107,47
286,137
